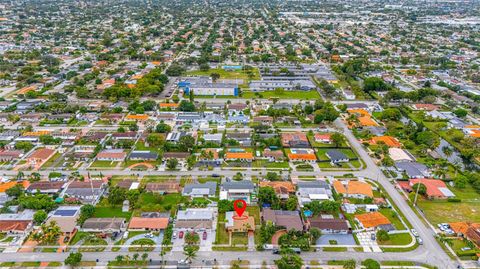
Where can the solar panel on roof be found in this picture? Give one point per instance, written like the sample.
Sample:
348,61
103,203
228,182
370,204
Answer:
65,213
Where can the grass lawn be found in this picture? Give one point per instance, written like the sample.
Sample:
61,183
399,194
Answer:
397,239
239,239
110,212
145,244
304,95
78,236
99,244
438,211
104,164
52,160
267,164
221,236
237,74
157,202
393,217
458,244
334,249
254,211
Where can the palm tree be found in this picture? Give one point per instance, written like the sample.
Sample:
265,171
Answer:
190,252
448,151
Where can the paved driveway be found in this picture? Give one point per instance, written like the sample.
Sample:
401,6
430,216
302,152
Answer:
157,239
369,245
342,239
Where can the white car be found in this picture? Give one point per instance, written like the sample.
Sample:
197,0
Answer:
414,232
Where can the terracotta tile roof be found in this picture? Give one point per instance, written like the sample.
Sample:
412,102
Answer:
239,155
148,223
14,225
387,140
354,187
168,105
280,187
323,137
42,154
10,184
137,117
37,133
428,107
359,111
372,219
301,157
459,227
433,186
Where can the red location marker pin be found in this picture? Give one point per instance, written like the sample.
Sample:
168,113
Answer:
240,210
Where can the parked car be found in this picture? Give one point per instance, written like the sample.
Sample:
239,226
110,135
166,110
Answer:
125,235
373,237
174,236
204,236
149,235
414,232
180,234
419,241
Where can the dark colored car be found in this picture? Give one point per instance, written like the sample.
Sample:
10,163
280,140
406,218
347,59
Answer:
204,236
180,234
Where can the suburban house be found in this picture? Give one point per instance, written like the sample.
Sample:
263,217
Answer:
313,191
17,223
295,140
413,169
163,187
9,155
244,139
237,224
323,138
104,225
143,155
89,191
213,138
390,141
264,120
374,221
289,220
273,155
239,156
148,224
195,218
207,189
327,224
181,156
39,157
128,184
435,188
353,188
210,156
302,155
336,156
125,136
66,218
283,189
237,190
46,187
112,155
470,231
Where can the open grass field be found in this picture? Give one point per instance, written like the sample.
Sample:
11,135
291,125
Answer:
398,239
237,74
110,212
393,217
156,202
439,211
